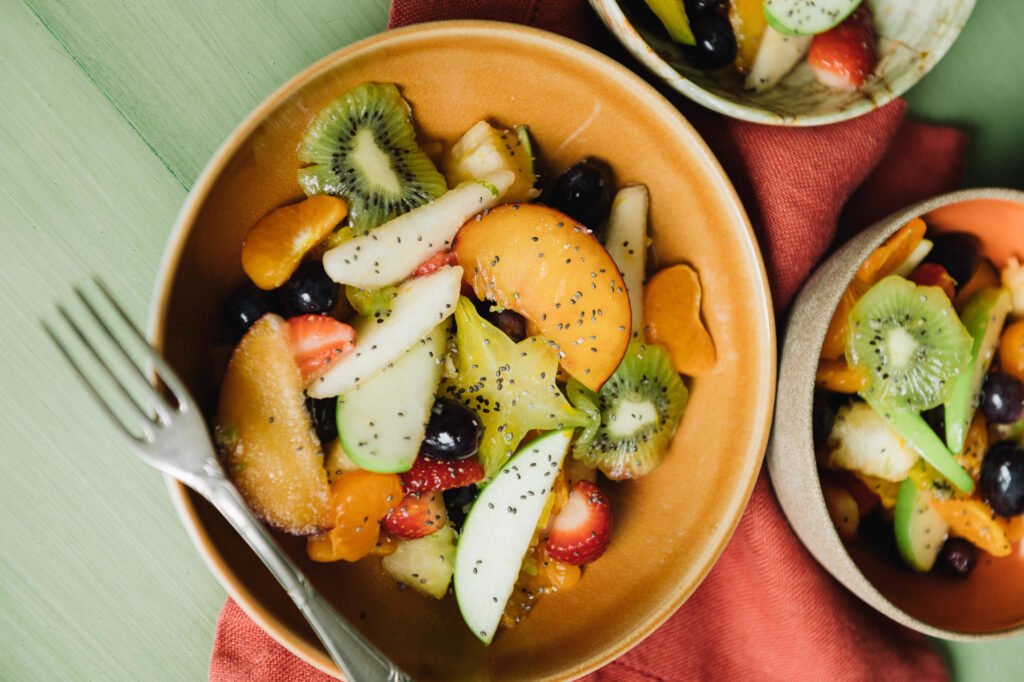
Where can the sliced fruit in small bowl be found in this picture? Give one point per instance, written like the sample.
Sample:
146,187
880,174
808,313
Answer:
787,62
916,305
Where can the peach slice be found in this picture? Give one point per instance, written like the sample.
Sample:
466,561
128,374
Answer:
552,271
265,435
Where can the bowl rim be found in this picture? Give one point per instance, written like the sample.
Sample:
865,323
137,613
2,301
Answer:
843,264
205,182
615,20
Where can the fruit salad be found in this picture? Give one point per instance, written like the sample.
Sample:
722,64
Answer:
919,416
763,40
442,367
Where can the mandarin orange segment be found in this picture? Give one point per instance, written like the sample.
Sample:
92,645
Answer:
974,521
276,244
385,545
834,346
541,575
748,25
265,435
1011,350
984,277
882,262
1014,528
836,375
975,445
359,500
672,319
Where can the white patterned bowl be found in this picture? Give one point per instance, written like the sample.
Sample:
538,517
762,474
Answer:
913,35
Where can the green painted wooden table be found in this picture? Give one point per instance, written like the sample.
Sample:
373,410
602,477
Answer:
109,111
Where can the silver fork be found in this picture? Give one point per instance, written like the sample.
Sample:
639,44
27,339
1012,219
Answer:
176,442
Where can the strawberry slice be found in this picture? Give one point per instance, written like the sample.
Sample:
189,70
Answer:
843,57
582,529
429,475
433,264
416,516
934,275
317,341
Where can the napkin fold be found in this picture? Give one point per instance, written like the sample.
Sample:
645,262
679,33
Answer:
766,611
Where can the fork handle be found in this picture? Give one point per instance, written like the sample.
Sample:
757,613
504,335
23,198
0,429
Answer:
355,656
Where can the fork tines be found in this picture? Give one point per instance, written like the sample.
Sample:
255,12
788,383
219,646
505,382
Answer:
126,378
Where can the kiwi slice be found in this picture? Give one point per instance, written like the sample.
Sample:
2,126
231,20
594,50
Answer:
362,147
633,416
910,343
375,303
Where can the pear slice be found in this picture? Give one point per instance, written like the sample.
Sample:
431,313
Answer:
419,305
626,242
393,251
775,58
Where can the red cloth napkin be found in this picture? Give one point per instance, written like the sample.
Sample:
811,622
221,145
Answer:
767,611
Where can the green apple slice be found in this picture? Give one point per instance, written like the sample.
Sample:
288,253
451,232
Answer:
983,317
912,426
382,421
920,530
498,530
807,17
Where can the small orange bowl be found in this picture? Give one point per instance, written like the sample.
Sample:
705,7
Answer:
671,526
990,602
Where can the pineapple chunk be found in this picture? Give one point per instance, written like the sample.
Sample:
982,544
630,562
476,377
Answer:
482,151
862,441
424,564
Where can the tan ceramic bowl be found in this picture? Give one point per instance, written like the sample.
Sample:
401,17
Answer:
913,37
990,603
669,527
